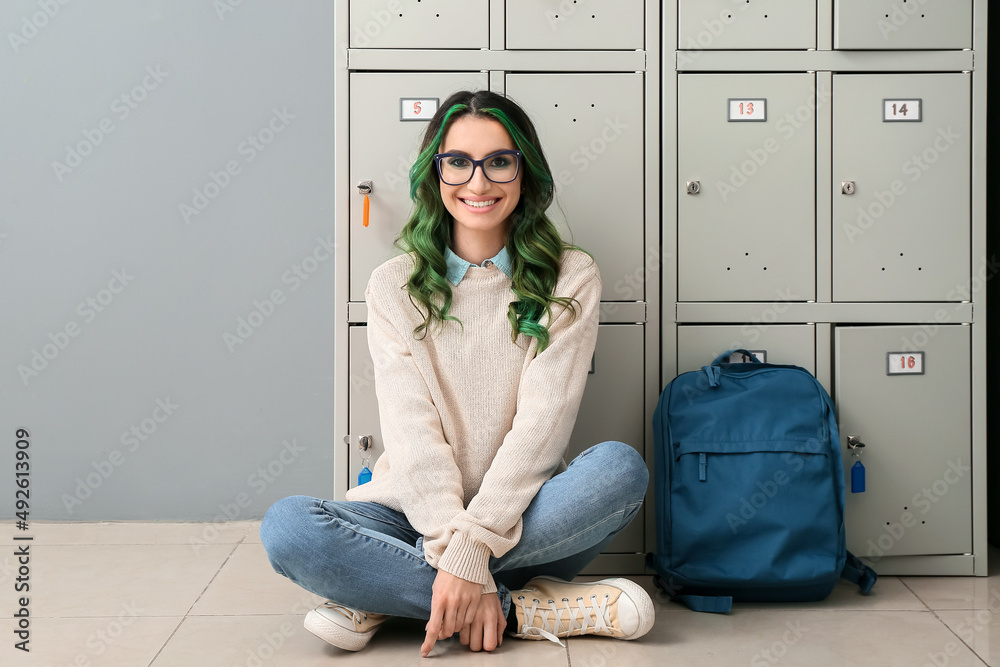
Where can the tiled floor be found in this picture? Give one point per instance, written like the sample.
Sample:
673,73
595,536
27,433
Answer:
202,595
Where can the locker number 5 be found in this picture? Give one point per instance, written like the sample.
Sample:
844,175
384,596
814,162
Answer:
417,108
905,363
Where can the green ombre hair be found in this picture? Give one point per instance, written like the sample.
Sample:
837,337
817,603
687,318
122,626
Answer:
533,242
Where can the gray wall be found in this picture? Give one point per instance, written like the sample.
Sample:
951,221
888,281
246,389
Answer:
120,307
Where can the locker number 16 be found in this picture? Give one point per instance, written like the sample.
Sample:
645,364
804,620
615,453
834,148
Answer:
905,363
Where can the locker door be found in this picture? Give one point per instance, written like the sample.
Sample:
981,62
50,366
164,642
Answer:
613,408
898,24
362,404
558,24
746,161
902,232
917,432
591,130
698,345
762,24
420,24
383,147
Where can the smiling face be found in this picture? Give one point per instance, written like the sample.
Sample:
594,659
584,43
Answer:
480,208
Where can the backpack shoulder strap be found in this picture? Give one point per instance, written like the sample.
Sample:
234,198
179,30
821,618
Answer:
858,573
713,604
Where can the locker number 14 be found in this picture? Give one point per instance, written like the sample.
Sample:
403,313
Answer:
902,111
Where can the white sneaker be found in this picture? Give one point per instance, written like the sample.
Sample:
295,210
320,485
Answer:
550,608
342,626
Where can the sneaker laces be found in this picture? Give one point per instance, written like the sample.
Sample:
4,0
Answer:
352,614
597,610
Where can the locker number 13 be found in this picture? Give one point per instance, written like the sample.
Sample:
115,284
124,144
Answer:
741,109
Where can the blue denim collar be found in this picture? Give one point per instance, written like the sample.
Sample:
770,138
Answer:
457,266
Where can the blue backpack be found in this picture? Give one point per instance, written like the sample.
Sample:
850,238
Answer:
749,488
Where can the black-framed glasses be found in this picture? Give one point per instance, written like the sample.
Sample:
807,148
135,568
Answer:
458,169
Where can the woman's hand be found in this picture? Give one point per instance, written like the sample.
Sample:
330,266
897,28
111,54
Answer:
454,605
486,631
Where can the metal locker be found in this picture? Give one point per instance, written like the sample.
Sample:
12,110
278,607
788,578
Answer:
385,138
613,408
746,208
698,345
753,24
419,24
902,189
363,405
591,129
566,24
902,24
904,391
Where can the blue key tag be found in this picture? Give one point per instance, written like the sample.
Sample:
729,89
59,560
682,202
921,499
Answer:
365,476
857,478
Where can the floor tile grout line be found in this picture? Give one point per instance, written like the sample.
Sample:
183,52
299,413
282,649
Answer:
940,620
200,595
957,636
214,577
166,641
902,580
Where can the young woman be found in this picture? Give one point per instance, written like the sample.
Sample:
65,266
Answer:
482,335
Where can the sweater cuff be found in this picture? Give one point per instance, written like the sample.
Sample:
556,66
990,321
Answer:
468,559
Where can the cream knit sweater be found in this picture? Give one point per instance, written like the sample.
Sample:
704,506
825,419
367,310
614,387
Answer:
472,423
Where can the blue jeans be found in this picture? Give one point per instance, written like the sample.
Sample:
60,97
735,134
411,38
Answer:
368,557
